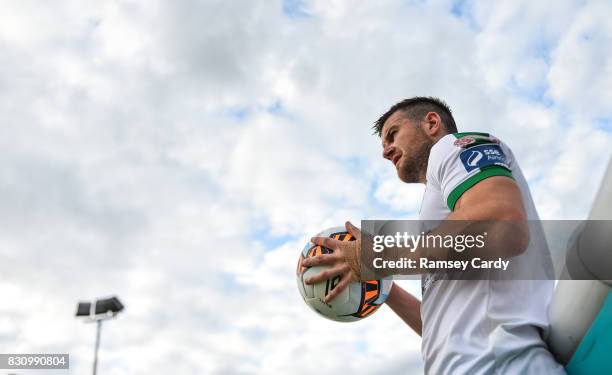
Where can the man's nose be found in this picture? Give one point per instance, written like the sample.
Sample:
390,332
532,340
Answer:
388,152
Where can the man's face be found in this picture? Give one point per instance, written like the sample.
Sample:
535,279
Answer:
407,146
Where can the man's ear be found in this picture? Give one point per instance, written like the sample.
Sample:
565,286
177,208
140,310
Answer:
433,124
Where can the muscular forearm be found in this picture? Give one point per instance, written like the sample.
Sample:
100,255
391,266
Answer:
407,307
502,218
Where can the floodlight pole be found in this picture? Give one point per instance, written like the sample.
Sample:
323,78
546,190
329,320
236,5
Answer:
98,329
98,311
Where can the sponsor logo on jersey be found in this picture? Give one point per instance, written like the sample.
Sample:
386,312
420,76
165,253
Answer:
462,142
474,158
482,156
475,139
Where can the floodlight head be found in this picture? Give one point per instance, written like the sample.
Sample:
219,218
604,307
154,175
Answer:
108,305
83,309
99,310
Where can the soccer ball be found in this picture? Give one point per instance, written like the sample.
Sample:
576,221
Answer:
357,301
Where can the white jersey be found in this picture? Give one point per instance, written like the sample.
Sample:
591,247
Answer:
481,326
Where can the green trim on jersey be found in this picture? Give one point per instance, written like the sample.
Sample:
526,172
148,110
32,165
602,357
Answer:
461,135
494,170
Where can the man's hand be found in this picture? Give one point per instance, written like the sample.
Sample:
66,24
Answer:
344,261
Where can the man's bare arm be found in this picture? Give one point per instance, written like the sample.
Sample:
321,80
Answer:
495,202
497,198
493,206
407,307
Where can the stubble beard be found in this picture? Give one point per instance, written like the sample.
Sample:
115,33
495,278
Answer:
414,167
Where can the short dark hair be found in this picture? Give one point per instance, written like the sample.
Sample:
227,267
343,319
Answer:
415,109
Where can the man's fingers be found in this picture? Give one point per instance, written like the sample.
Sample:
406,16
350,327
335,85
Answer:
346,280
353,230
327,242
328,274
319,260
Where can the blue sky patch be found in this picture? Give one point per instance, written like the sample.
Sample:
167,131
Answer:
295,9
458,8
239,113
605,124
269,240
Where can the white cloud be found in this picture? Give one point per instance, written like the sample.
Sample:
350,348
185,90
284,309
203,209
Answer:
400,196
581,73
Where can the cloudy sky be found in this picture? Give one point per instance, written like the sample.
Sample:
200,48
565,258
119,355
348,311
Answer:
178,154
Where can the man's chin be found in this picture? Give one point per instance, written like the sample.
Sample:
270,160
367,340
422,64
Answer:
404,177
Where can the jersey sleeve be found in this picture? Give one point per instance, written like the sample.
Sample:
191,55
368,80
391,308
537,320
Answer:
461,160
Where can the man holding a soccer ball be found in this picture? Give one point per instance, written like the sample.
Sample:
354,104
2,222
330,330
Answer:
468,326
